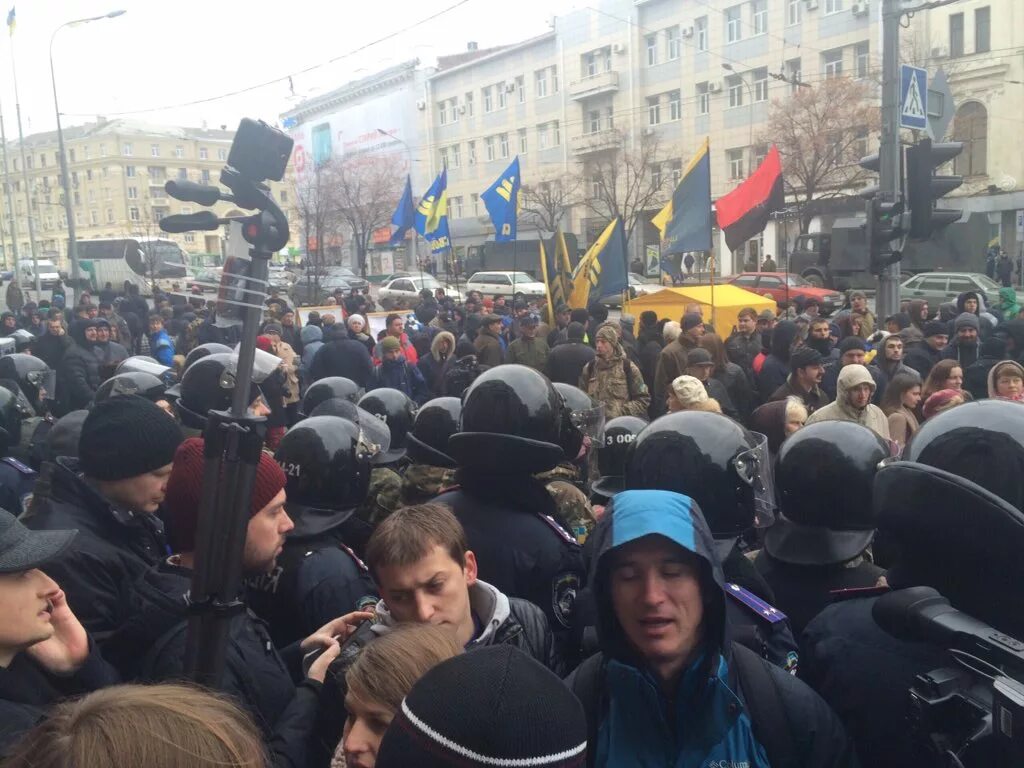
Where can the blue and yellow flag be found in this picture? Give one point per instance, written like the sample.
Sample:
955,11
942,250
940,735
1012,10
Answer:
561,271
502,201
685,222
602,270
404,215
10,21
431,218
546,274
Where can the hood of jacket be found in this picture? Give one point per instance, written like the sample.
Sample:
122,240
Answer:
849,377
1008,300
435,345
963,297
77,332
490,607
911,335
633,515
311,333
1001,366
783,336
914,310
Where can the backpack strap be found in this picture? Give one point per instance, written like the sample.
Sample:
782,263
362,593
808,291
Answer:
629,380
764,701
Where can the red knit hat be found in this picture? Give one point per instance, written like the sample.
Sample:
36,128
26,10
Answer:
264,343
185,489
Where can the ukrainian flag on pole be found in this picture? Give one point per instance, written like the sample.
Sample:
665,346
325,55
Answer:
502,201
602,271
431,218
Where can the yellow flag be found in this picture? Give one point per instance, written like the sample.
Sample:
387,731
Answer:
588,271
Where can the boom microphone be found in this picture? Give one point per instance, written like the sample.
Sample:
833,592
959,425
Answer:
187,222
190,192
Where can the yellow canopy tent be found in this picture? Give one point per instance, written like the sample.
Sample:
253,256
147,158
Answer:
721,304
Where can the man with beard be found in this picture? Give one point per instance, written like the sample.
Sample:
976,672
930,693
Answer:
109,353
890,358
819,338
803,383
853,402
923,350
964,348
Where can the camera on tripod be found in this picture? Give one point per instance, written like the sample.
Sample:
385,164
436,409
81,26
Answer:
972,712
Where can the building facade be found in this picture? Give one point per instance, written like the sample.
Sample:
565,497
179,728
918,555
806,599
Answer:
117,170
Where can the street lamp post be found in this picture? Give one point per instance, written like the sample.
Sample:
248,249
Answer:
411,253
76,274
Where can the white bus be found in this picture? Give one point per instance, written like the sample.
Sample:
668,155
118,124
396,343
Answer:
138,260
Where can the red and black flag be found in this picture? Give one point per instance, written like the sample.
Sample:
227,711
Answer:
743,213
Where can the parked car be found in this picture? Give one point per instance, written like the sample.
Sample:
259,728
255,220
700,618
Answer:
638,286
305,294
506,284
939,287
783,287
208,278
349,277
406,290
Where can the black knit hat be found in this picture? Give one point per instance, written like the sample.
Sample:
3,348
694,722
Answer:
482,709
803,357
126,437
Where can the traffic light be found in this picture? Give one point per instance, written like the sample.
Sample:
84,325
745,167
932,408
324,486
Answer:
924,188
883,223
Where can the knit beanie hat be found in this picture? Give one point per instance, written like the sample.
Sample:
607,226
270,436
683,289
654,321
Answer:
390,344
936,328
185,490
940,401
126,437
264,343
273,328
803,357
353,319
967,320
481,709
689,390
691,320
851,343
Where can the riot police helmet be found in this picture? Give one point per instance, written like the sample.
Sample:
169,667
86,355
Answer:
210,348
582,417
397,410
208,385
436,421
34,376
327,389
13,408
612,453
134,383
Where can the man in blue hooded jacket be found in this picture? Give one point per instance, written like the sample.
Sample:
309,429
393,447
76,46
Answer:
669,688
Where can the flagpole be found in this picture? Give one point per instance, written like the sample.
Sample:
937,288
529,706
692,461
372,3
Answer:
24,170
8,187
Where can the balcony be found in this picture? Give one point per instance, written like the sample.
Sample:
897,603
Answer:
598,141
594,85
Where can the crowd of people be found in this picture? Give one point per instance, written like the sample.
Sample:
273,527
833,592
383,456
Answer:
481,536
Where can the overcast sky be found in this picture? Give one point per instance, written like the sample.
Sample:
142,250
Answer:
160,55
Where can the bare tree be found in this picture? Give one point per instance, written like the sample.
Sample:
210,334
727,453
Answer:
822,132
316,202
622,182
547,202
367,190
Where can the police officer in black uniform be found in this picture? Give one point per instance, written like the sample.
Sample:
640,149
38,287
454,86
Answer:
328,389
723,467
37,382
431,469
208,384
511,424
612,454
819,542
326,461
17,479
952,515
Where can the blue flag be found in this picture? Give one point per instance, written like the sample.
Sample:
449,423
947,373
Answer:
685,222
502,201
431,219
602,270
404,215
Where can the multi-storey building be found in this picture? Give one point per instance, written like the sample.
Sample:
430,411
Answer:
117,170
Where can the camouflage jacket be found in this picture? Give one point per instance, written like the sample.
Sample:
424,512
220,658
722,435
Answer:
422,482
605,381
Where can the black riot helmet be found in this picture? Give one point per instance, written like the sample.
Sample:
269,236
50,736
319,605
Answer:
981,441
582,417
31,373
398,411
146,364
436,421
613,451
824,479
13,406
511,423
328,389
208,385
137,383
210,348
327,462
711,459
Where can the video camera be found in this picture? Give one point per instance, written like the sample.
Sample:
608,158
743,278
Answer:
970,713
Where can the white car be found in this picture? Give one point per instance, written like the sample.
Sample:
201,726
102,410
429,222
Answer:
638,286
406,290
506,284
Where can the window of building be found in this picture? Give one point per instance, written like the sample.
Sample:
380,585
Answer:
554,79
110,215
442,156
154,150
503,144
205,176
453,109
133,214
793,12
700,26
56,157
190,237
488,99
673,40
760,152
469,104
593,121
652,50
735,85
733,24
609,118
522,141
793,74
91,195
442,112
833,6
156,173
103,150
489,148
863,59
970,126
474,200
455,206
502,95
94,217
676,170
126,150
222,154
675,105
471,153
833,62
591,65
556,134
703,99
860,145
78,218
653,110
455,156
761,84
542,137
204,153
655,171
42,160
183,174
521,89
88,174
982,29
735,160
129,171
540,83
179,153
759,12
133,193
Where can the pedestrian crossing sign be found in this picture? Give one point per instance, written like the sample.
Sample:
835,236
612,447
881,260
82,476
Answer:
913,97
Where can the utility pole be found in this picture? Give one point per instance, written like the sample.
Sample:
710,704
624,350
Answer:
887,297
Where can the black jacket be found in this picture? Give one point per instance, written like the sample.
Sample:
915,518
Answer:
255,674
51,349
649,346
112,549
343,357
742,350
78,375
775,369
921,357
566,362
737,384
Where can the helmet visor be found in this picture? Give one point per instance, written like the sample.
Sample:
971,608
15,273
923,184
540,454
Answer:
374,435
25,409
754,468
264,364
141,365
45,382
590,422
